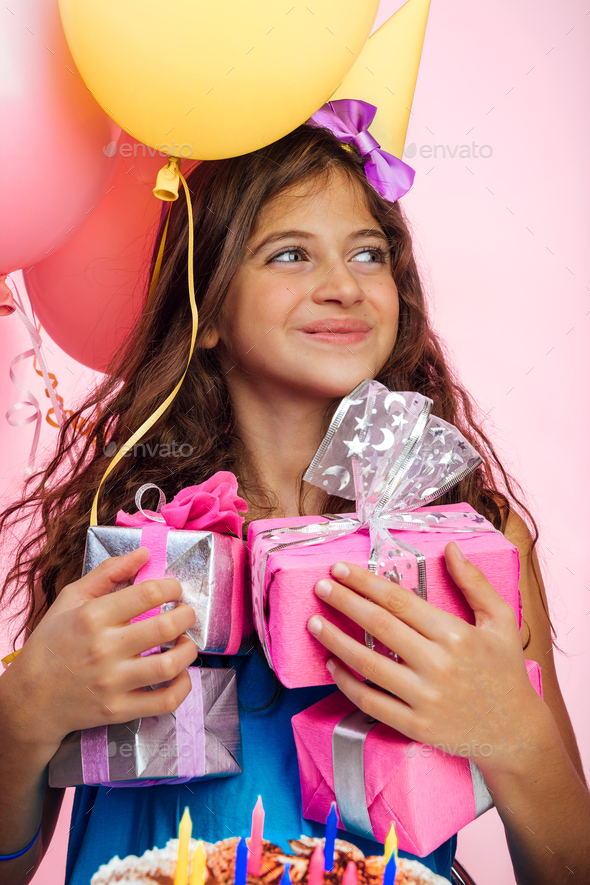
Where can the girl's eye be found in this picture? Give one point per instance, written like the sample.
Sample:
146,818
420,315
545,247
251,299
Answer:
376,255
286,256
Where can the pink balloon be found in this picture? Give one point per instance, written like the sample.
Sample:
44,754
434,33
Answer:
89,293
57,152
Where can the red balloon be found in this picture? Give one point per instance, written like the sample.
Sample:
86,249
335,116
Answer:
49,116
89,294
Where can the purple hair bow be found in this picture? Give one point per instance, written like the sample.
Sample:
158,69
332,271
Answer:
349,120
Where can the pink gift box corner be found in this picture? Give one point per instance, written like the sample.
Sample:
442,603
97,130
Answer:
429,794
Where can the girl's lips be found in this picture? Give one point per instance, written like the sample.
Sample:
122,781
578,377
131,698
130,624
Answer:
337,331
341,338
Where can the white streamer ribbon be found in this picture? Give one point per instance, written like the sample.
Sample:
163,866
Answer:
30,400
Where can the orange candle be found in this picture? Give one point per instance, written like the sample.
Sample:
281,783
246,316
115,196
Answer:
255,853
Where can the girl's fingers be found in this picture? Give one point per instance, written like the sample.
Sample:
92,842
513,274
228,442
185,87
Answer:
396,678
430,622
140,703
489,608
101,580
157,668
130,602
375,703
158,630
376,617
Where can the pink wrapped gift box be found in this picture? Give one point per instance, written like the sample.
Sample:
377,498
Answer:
385,451
283,578
376,776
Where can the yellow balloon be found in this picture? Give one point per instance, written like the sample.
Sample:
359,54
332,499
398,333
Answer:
218,79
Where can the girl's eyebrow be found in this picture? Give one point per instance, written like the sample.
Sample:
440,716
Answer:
302,234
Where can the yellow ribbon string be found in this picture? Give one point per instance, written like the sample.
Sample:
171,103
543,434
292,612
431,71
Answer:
135,437
9,658
158,264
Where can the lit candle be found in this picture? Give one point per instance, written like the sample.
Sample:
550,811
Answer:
199,864
331,824
391,843
255,856
241,871
390,856
316,866
285,878
185,829
350,876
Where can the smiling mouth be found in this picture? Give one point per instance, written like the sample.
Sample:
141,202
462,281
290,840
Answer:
337,331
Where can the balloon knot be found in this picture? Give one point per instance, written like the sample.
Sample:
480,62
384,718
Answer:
168,181
6,300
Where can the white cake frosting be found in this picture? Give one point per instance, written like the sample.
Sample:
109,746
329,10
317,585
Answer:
158,864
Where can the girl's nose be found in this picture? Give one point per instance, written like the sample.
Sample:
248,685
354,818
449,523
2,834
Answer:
339,286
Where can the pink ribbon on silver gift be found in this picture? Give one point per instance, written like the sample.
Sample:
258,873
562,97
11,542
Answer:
209,506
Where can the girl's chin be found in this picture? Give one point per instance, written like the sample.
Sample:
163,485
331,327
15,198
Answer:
336,384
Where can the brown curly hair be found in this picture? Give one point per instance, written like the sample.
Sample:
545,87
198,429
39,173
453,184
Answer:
227,197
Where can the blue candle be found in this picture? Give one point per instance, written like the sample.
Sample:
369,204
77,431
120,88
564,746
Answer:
331,824
241,872
390,871
285,878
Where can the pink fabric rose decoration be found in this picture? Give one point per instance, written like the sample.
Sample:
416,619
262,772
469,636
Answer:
211,506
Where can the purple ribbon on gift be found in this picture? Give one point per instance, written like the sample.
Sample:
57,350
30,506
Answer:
349,119
189,729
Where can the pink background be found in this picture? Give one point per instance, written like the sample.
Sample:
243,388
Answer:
502,245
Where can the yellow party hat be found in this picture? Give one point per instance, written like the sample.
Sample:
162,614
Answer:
386,71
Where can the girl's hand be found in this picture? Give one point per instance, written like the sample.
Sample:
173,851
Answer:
459,685
82,665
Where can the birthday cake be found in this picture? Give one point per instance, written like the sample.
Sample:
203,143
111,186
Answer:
158,866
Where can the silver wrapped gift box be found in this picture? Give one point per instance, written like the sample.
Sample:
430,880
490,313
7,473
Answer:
200,740
211,570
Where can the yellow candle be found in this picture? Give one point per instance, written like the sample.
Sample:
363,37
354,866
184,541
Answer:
391,843
199,862
185,829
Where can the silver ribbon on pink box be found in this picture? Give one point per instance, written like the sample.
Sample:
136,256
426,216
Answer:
385,451
200,740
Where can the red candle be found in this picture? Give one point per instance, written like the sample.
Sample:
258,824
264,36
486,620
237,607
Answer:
316,866
255,853
350,876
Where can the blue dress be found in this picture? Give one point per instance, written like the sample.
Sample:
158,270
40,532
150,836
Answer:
123,821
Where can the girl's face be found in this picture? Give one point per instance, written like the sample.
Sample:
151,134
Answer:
313,309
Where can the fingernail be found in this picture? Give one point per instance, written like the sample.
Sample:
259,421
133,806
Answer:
340,570
314,625
330,667
460,555
323,588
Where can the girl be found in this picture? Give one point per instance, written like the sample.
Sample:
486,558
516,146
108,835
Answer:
306,284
